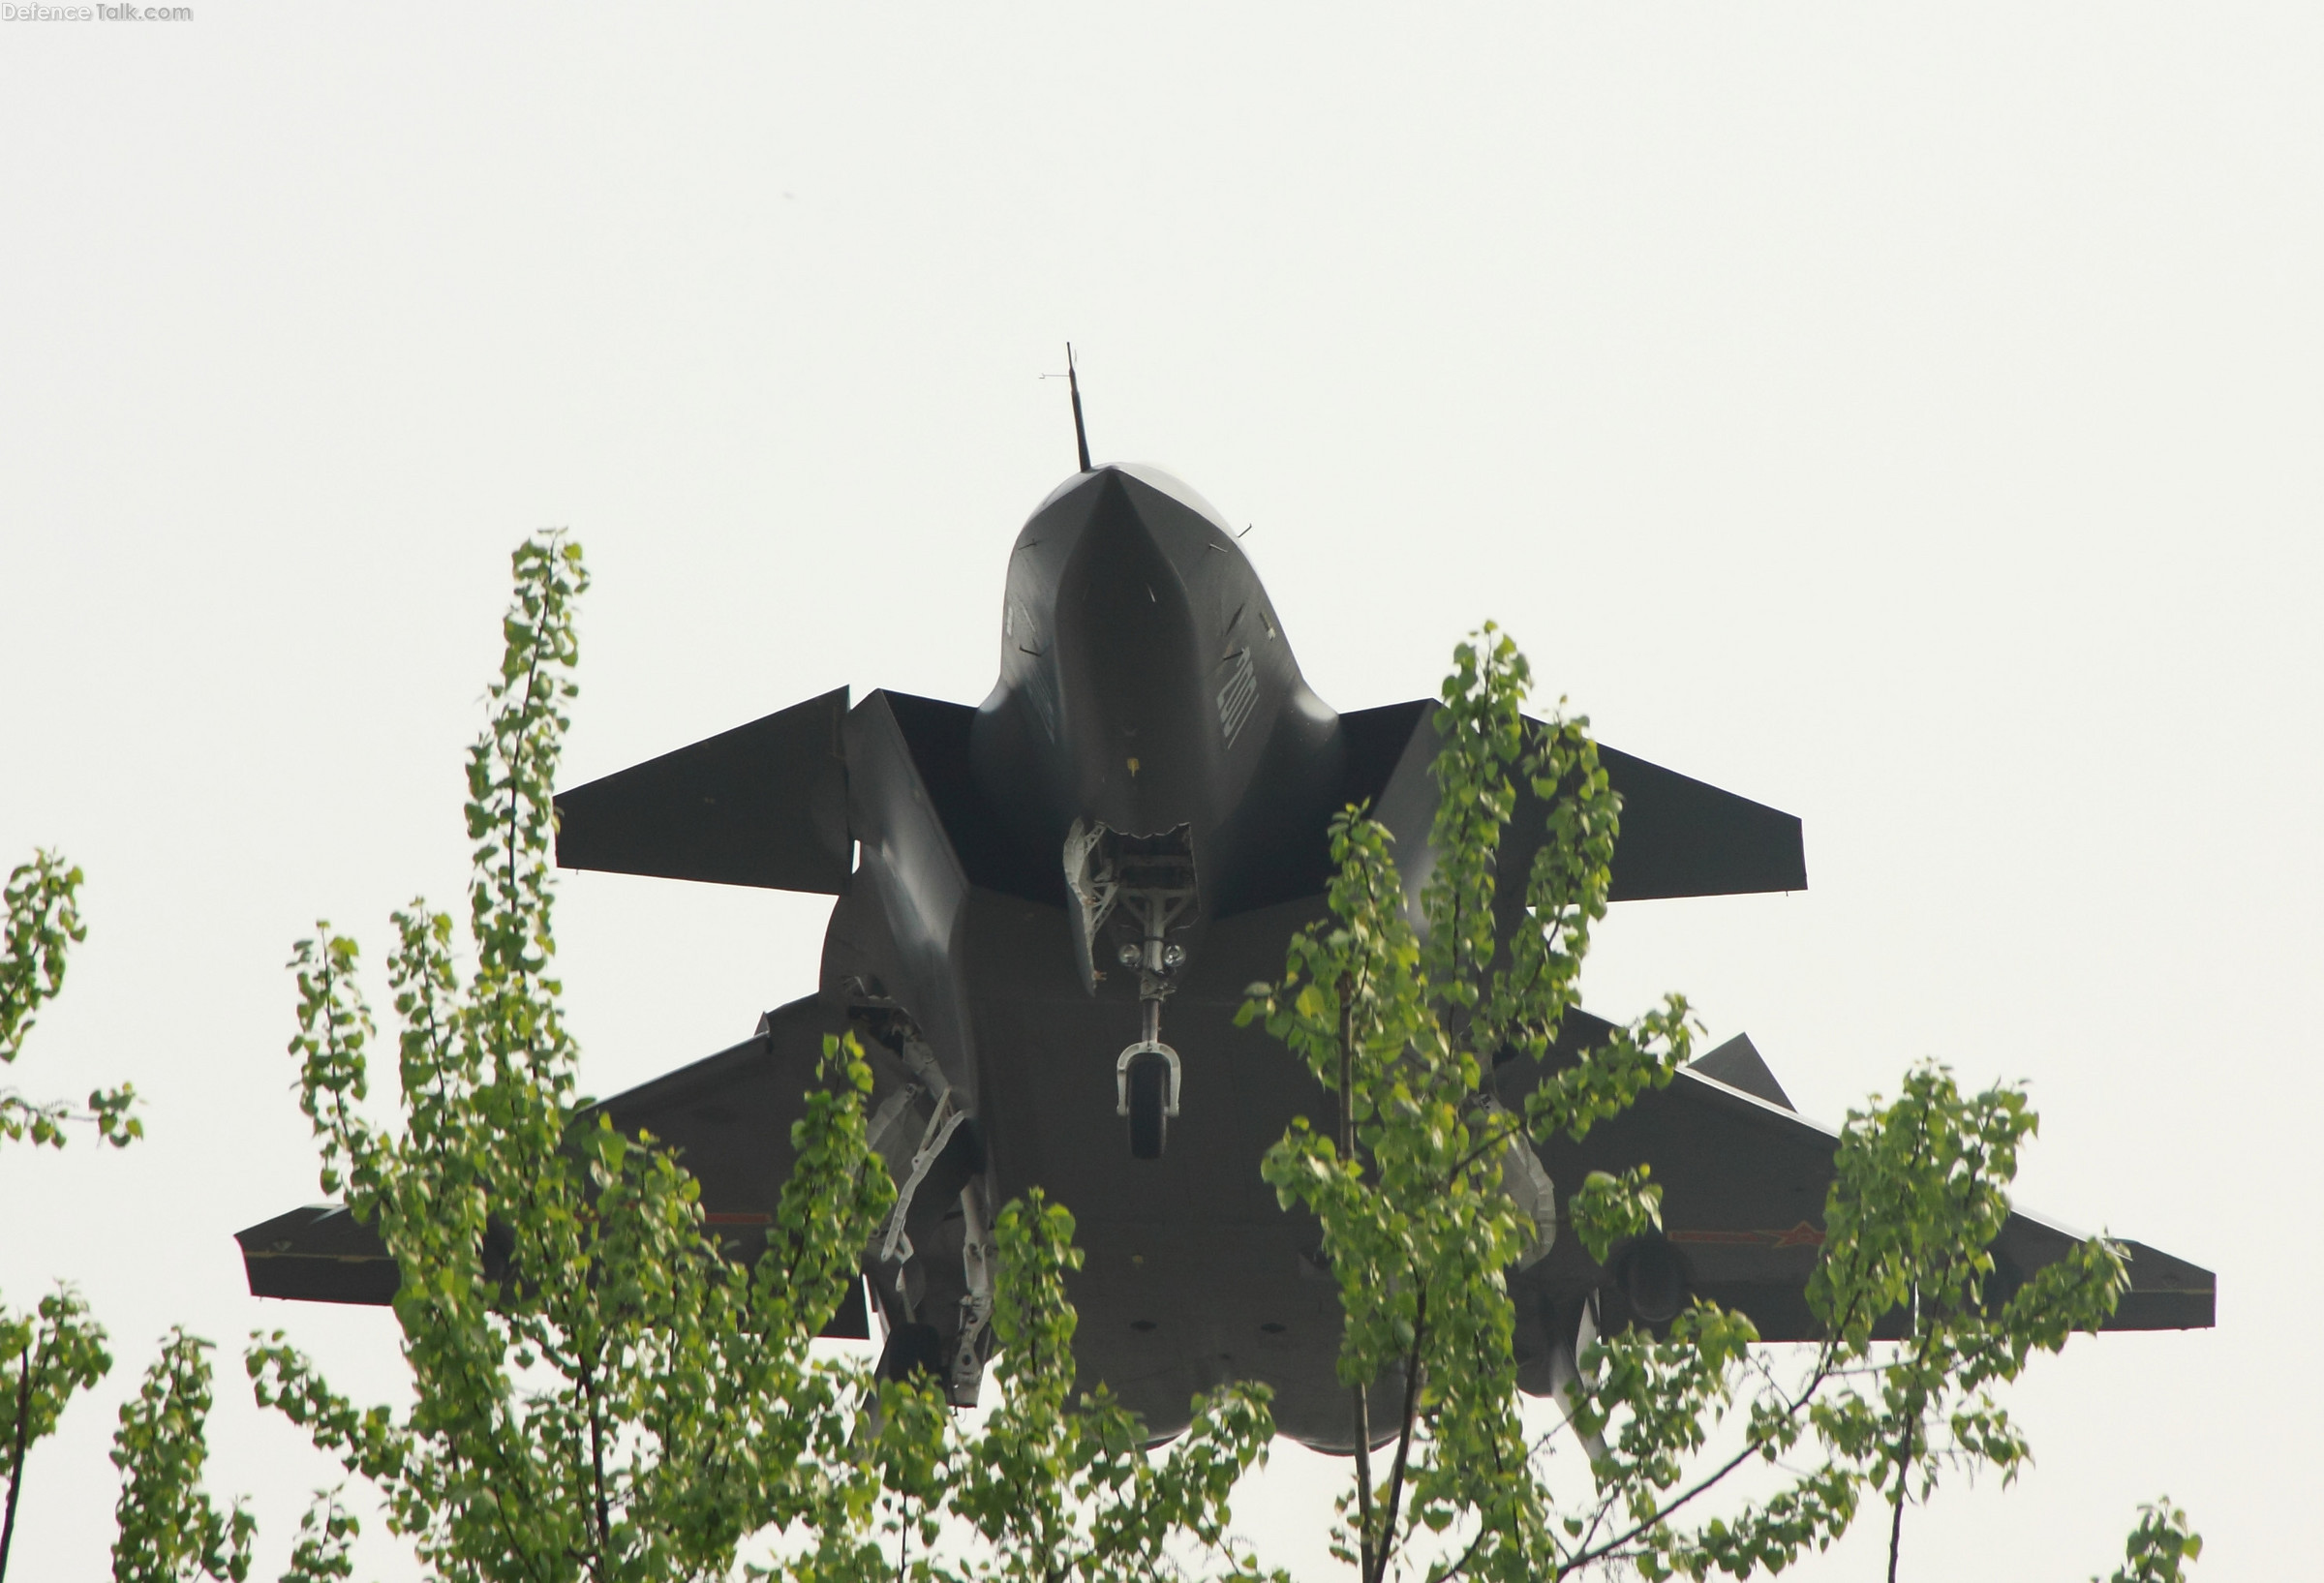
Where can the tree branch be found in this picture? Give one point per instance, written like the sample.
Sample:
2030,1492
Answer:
597,1463
1791,1409
1347,1154
16,1460
1906,1436
1412,1402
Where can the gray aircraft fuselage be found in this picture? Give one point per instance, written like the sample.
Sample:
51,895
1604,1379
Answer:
1049,909
1149,706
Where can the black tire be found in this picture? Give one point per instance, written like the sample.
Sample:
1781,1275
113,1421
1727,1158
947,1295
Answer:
912,1349
1654,1280
1150,1088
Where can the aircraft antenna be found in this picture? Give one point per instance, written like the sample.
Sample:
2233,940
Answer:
1073,382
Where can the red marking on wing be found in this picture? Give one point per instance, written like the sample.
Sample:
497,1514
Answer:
1801,1236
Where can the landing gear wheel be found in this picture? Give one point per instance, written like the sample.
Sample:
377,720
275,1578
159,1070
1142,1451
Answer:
1653,1279
1149,1095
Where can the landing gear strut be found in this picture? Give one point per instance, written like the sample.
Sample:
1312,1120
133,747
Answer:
1147,1077
1148,881
1145,1086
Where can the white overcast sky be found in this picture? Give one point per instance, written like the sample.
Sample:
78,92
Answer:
1904,415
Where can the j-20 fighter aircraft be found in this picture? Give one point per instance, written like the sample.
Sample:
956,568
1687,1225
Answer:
1049,907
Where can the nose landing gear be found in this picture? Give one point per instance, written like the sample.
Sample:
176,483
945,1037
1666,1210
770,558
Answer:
1148,1076
1146,1088
1147,881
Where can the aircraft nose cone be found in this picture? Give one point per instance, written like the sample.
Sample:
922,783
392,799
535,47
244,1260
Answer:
1130,663
1121,594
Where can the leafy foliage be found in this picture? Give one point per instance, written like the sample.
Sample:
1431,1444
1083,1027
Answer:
1401,1019
2159,1547
597,1392
1400,1010
1922,1191
50,1357
324,1548
56,1351
168,1529
42,922
1052,1487
600,1394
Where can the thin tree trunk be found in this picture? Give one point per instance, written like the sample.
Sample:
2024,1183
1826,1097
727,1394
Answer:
1412,1399
1896,1526
1909,1443
597,1462
1364,1405
16,1460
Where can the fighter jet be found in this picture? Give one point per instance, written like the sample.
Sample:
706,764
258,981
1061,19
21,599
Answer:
1049,905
